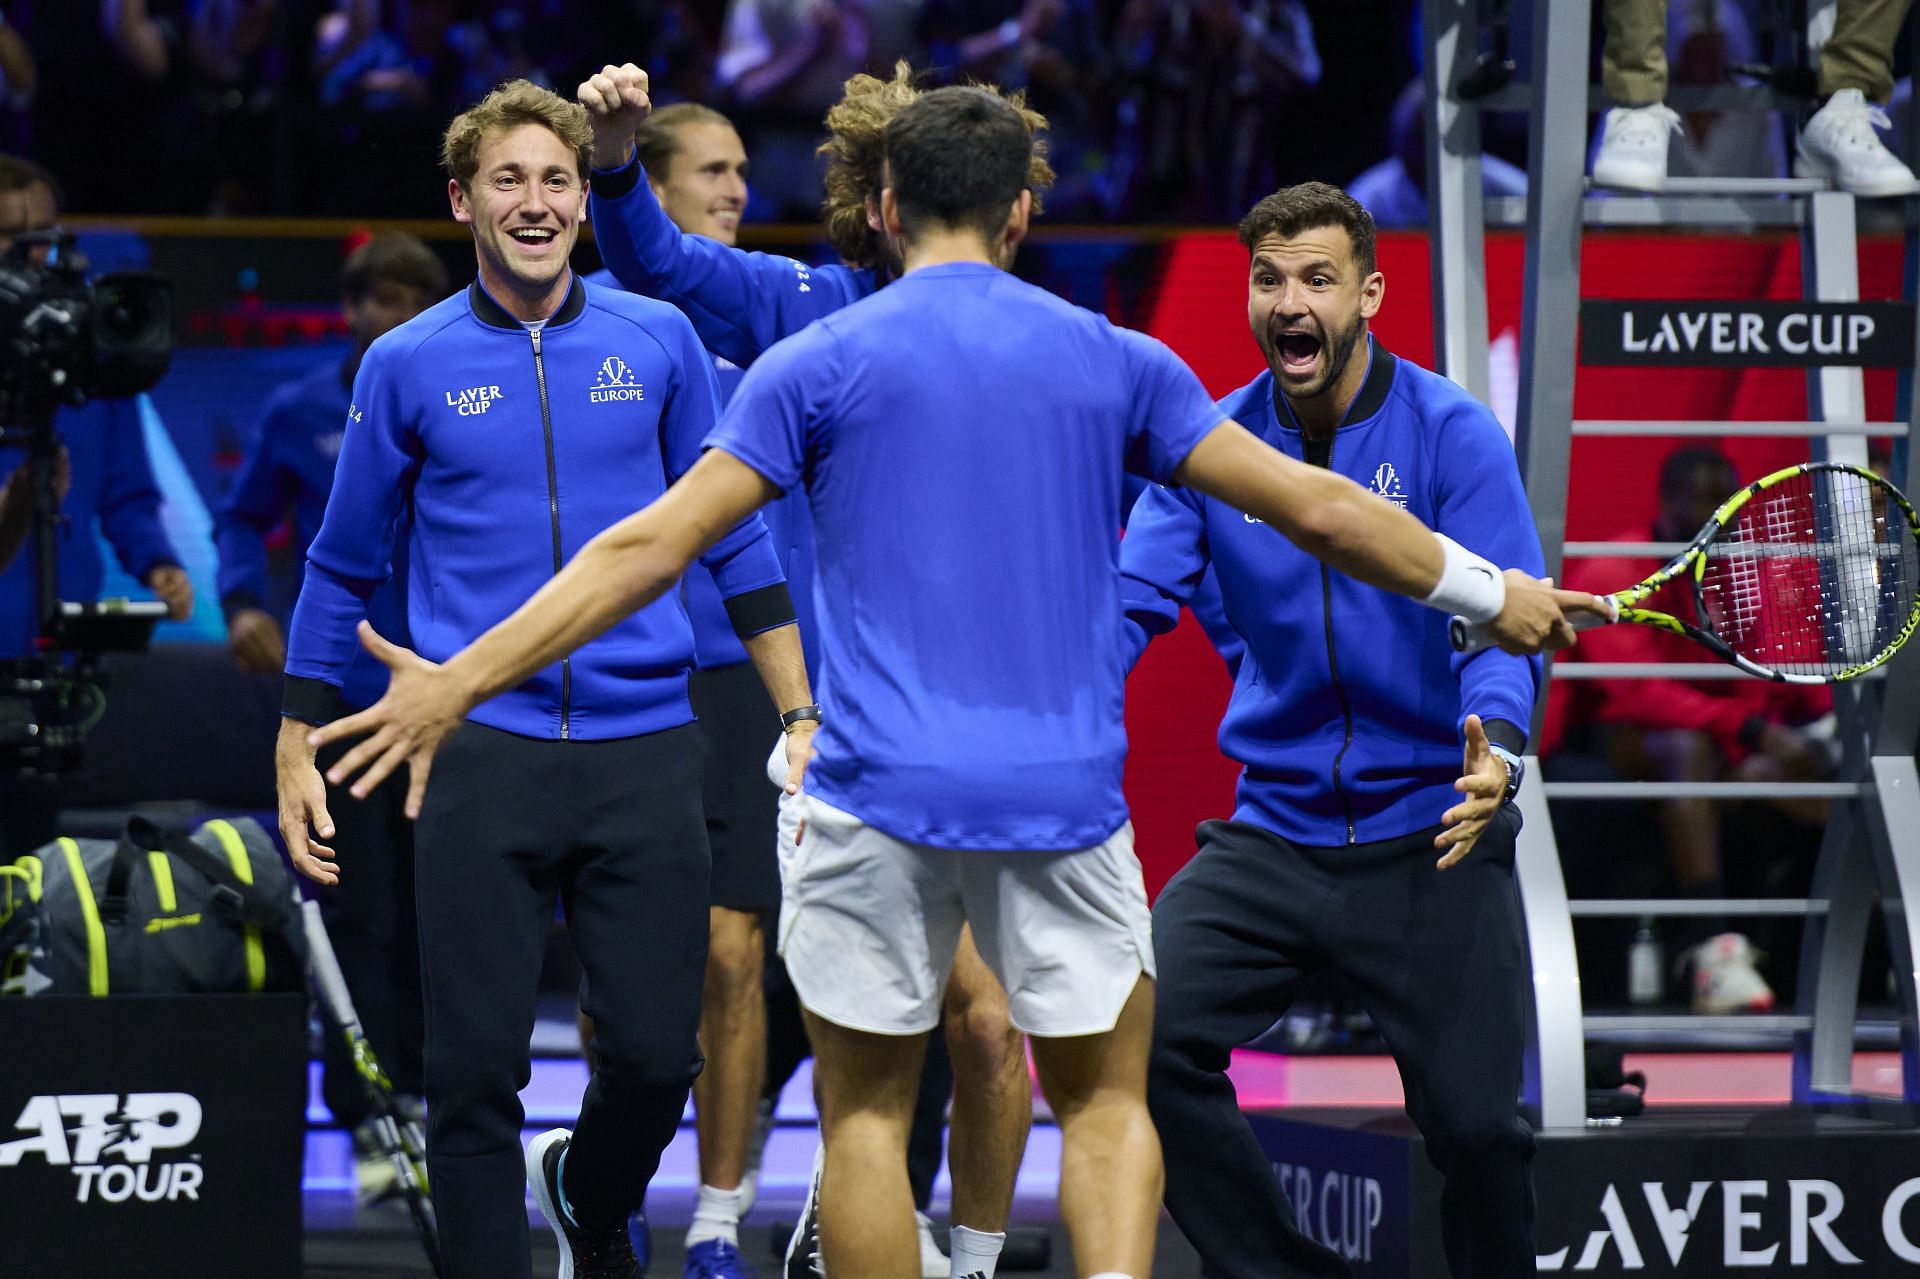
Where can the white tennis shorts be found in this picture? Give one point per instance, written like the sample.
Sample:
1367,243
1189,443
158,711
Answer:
868,925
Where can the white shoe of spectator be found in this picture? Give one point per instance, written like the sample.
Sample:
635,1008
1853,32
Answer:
933,1262
1840,145
1725,979
1633,147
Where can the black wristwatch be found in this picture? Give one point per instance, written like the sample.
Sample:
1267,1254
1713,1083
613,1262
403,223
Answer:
797,715
1516,770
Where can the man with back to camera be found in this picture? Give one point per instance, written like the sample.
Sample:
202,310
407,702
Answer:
108,490
970,771
1349,714
289,463
696,169
513,421
740,304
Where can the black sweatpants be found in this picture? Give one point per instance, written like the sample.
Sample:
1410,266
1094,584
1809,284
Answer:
1436,957
614,831
370,917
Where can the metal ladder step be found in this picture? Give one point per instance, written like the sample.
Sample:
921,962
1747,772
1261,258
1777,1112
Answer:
1733,430
1516,97
1713,790
1745,907
1733,1023
1667,670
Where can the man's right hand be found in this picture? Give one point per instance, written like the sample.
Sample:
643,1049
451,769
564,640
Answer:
617,103
254,639
1536,617
303,803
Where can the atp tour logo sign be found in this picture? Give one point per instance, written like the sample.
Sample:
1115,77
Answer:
614,381
1747,334
1776,1224
110,1142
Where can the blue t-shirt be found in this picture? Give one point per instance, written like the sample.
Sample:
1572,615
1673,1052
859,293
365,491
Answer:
962,437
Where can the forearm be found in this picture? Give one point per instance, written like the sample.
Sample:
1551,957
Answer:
782,666
623,569
1325,514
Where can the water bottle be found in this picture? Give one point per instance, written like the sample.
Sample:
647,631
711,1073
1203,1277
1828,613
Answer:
1645,971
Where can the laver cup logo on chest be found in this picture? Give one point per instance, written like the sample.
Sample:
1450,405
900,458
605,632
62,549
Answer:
116,1146
474,400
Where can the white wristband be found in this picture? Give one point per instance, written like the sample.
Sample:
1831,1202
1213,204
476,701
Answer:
1469,586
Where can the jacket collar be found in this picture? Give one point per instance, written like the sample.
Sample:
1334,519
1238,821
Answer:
1371,399
493,315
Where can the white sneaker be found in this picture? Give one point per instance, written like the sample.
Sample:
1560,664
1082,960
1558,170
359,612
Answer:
933,1262
1725,979
1633,147
1840,145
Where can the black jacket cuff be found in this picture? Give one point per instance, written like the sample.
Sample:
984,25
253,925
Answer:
313,701
235,600
611,184
1505,734
761,610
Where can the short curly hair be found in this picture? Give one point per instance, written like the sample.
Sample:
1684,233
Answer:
856,153
513,104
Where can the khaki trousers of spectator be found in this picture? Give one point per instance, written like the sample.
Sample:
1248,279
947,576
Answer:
1859,55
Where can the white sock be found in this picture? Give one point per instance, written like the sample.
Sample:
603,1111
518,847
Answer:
974,1253
716,1215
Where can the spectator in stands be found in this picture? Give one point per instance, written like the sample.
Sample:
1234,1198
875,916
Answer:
1202,83
111,493
1691,731
1837,143
389,76
19,81
287,475
1394,191
1050,49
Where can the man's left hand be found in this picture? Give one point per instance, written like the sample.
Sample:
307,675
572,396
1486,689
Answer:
422,705
175,589
1484,783
799,743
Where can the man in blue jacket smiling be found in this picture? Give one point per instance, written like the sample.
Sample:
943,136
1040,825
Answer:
1351,714
510,424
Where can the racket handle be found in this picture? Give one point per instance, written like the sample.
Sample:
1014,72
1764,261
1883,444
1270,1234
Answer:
326,969
1471,637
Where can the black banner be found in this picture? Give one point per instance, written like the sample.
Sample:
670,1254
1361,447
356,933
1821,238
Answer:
1705,1194
152,1135
1747,334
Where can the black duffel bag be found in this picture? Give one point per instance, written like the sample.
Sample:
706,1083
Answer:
161,913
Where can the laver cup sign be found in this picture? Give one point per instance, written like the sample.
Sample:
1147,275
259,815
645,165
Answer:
152,1136
1747,334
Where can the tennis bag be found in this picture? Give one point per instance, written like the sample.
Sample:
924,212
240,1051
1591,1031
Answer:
159,913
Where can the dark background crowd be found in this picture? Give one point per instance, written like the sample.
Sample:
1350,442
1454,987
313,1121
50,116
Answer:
1181,110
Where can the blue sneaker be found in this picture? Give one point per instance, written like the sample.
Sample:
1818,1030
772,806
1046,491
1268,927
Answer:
717,1259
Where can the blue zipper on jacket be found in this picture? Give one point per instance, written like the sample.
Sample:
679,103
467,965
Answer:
1325,460
553,508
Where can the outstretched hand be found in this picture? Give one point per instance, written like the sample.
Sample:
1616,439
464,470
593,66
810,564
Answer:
1483,781
1537,617
422,705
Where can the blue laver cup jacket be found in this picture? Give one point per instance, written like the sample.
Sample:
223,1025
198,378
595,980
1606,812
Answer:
507,449
1348,704
290,462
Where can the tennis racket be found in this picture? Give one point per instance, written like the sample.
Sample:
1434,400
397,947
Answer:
400,1136
1805,576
